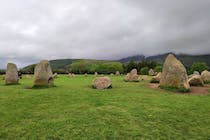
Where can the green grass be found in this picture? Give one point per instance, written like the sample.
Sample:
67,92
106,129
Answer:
73,110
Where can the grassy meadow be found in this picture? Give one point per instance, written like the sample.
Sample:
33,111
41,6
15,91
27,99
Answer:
73,110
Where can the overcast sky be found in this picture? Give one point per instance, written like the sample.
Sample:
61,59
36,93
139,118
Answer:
31,30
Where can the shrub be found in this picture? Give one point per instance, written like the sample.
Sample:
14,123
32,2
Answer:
199,66
28,70
131,65
144,71
158,68
2,71
91,66
173,89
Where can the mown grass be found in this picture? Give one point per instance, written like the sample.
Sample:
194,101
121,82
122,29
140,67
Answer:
73,110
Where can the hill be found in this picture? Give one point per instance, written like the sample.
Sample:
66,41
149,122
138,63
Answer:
185,58
132,58
62,65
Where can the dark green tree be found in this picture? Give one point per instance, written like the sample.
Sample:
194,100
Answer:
199,66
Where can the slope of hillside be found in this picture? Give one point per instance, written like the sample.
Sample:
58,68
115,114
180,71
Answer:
186,59
61,63
132,58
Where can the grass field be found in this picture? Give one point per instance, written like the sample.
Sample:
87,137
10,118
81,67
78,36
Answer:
73,110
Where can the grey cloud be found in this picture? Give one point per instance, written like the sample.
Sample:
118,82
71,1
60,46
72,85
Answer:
32,30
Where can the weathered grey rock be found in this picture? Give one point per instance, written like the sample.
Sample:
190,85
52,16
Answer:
43,74
11,76
196,80
102,83
151,72
132,76
85,74
28,76
95,74
174,74
3,77
156,79
117,73
71,75
205,75
196,72
143,78
111,74
55,75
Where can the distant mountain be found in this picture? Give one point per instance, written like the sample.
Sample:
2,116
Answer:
55,64
61,63
132,58
185,58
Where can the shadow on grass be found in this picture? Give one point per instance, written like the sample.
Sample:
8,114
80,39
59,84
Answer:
14,84
40,87
174,89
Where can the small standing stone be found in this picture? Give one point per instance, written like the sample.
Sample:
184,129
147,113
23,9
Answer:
132,76
11,76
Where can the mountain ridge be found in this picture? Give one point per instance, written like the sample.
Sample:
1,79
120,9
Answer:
186,59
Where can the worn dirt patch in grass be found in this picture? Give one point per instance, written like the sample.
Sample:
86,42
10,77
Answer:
193,89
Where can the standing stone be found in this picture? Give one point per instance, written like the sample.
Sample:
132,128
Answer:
85,74
196,73
73,75
95,74
156,79
205,75
174,74
3,77
117,73
28,76
132,76
111,74
55,75
69,75
196,80
11,76
144,78
151,72
102,83
43,74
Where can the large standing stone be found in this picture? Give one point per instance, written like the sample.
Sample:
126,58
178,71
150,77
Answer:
205,75
43,74
132,76
196,80
102,83
174,74
11,76
151,72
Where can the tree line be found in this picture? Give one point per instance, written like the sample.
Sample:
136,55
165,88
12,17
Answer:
106,67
